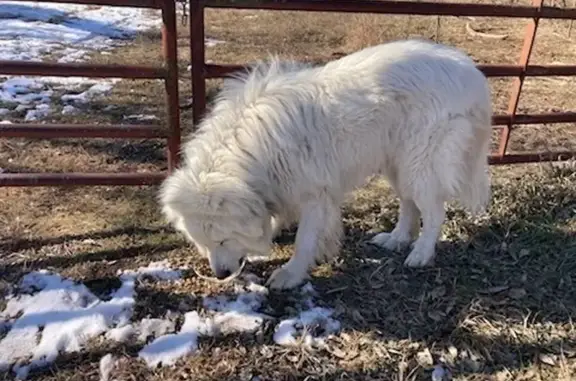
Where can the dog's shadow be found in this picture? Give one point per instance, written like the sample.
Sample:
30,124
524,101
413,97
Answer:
493,287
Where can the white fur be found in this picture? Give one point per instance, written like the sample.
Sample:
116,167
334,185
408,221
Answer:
286,142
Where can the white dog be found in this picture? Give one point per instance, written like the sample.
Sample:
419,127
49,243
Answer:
285,142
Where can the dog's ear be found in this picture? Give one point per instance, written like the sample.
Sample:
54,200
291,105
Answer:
215,194
179,194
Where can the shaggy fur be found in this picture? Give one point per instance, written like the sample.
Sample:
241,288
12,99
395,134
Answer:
286,142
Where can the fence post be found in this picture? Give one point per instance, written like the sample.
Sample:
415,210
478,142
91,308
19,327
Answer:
529,38
197,60
170,50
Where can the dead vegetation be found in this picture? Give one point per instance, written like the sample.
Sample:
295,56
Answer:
498,305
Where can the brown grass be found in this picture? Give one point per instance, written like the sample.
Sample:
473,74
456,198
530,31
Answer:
498,305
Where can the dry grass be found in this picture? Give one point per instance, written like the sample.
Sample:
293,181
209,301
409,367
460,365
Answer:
498,305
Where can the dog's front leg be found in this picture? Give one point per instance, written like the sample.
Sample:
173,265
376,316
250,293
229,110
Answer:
317,239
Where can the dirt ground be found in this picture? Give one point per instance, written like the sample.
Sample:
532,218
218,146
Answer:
498,305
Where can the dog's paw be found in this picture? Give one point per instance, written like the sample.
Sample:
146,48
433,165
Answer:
390,241
420,258
285,278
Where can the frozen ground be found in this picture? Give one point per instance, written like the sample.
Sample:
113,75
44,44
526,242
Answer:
33,31
47,315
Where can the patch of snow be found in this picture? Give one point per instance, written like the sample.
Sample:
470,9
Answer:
121,334
311,327
107,364
20,90
51,315
5,122
28,30
167,349
225,315
159,270
211,42
41,111
154,328
238,314
58,316
69,110
86,96
141,117
4,111
31,31
21,108
73,55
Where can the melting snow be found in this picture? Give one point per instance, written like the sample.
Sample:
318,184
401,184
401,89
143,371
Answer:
50,315
311,327
29,30
141,331
158,270
141,117
53,314
39,112
225,315
69,110
86,96
239,314
121,334
33,31
166,350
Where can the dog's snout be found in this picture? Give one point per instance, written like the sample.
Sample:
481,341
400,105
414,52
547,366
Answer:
222,273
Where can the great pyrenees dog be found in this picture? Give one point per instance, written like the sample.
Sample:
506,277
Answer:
286,141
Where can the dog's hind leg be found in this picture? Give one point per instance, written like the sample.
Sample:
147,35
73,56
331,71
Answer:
405,230
433,214
317,239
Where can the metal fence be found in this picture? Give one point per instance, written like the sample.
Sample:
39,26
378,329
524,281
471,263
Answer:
201,71
168,73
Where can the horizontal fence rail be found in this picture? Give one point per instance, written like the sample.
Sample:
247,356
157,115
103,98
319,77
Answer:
219,71
154,4
422,8
43,131
202,71
53,179
168,72
81,70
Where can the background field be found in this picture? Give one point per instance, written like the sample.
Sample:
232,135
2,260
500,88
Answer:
498,305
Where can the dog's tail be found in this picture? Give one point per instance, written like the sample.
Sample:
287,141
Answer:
461,162
475,190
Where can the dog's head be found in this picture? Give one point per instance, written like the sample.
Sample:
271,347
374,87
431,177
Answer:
224,218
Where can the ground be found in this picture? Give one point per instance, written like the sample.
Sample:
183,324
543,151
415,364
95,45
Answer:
497,305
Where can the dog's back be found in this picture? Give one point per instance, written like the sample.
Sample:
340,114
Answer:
418,112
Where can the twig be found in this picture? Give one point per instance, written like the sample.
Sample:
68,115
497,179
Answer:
475,33
571,21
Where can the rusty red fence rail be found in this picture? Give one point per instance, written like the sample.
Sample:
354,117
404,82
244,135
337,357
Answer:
168,72
201,71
